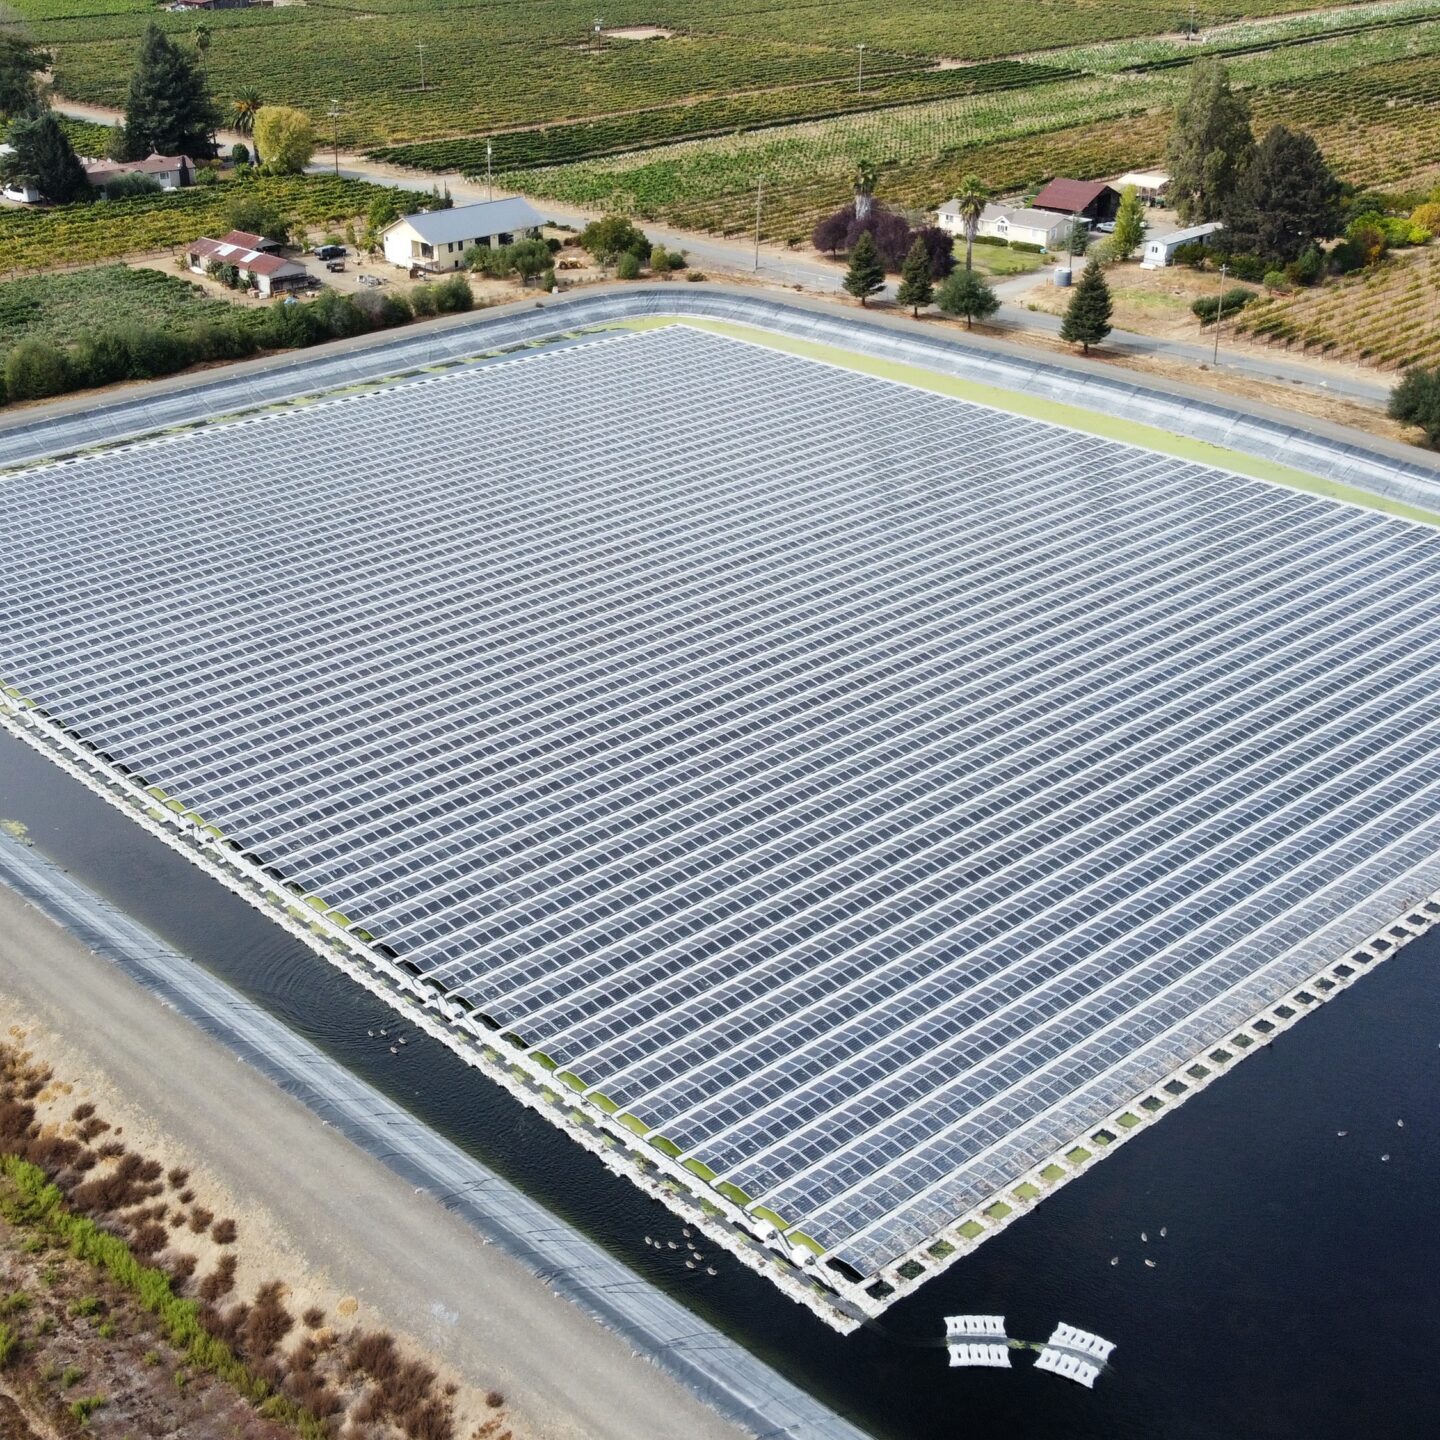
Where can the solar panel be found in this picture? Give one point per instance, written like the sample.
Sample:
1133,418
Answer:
867,790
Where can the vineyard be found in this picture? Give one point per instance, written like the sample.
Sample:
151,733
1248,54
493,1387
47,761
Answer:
34,239
1388,316
492,65
1373,98
62,308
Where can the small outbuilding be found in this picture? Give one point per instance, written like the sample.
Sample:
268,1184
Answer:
1092,200
1160,250
438,239
19,191
267,274
246,240
1150,185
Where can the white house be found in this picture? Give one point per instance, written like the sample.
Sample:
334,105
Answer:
1161,250
23,194
438,239
270,274
1030,227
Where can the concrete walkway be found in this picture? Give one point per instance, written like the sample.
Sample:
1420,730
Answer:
484,1276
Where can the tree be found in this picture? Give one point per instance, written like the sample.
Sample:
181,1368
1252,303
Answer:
256,217
939,248
1416,401
659,261
246,105
829,234
285,137
916,288
201,36
21,60
628,267
1087,319
970,200
1209,145
866,275
45,159
1129,224
613,236
969,294
865,178
1288,197
168,110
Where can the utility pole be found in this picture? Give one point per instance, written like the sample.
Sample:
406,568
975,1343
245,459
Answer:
860,74
489,171
421,48
759,193
1219,315
334,114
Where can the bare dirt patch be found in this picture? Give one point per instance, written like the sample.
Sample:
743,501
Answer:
638,32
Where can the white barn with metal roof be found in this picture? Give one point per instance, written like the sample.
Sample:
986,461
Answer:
438,239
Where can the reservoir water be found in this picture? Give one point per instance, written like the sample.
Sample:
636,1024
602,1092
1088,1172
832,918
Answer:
1294,1293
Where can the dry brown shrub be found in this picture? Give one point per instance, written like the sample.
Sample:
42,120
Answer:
374,1353
178,1177
181,1266
93,1127
200,1219
313,1318
431,1420
82,1112
220,1281
370,1407
15,1120
110,1150
223,1232
149,1239
269,1322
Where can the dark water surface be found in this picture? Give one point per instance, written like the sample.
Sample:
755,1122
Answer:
1297,1293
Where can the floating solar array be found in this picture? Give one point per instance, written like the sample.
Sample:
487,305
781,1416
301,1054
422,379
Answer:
977,1340
868,791
1078,1355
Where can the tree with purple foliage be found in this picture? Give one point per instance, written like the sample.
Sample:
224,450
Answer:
889,231
940,247
829,234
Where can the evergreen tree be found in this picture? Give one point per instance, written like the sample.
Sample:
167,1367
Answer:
21,60
45,159
1129,224
969,294
1288,197
916,288
866,275
1209,145
168,110
1087,320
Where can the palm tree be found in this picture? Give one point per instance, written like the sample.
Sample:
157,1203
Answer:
201,37
246,106
971,199
865,177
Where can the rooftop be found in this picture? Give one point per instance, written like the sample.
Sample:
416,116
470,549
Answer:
473,222
1070,195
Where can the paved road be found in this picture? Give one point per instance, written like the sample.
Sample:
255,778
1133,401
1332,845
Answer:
737,256
557,1323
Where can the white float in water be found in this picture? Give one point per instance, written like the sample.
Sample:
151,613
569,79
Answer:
1078,1355
977,1340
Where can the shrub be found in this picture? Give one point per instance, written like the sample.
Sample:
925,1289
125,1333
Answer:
422,300
454,295
1276,280
153,353
628,267
1028,246
240,154
660,260
35,369
127,187
1207,307
609,238
1308,268
1416,401
676,260
999,240
1193,253
99,359
222,1232
9,1344
220,1281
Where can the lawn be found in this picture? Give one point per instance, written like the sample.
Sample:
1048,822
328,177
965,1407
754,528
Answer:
61,308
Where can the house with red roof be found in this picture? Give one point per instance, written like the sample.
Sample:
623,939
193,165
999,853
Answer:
266,274
1092,200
